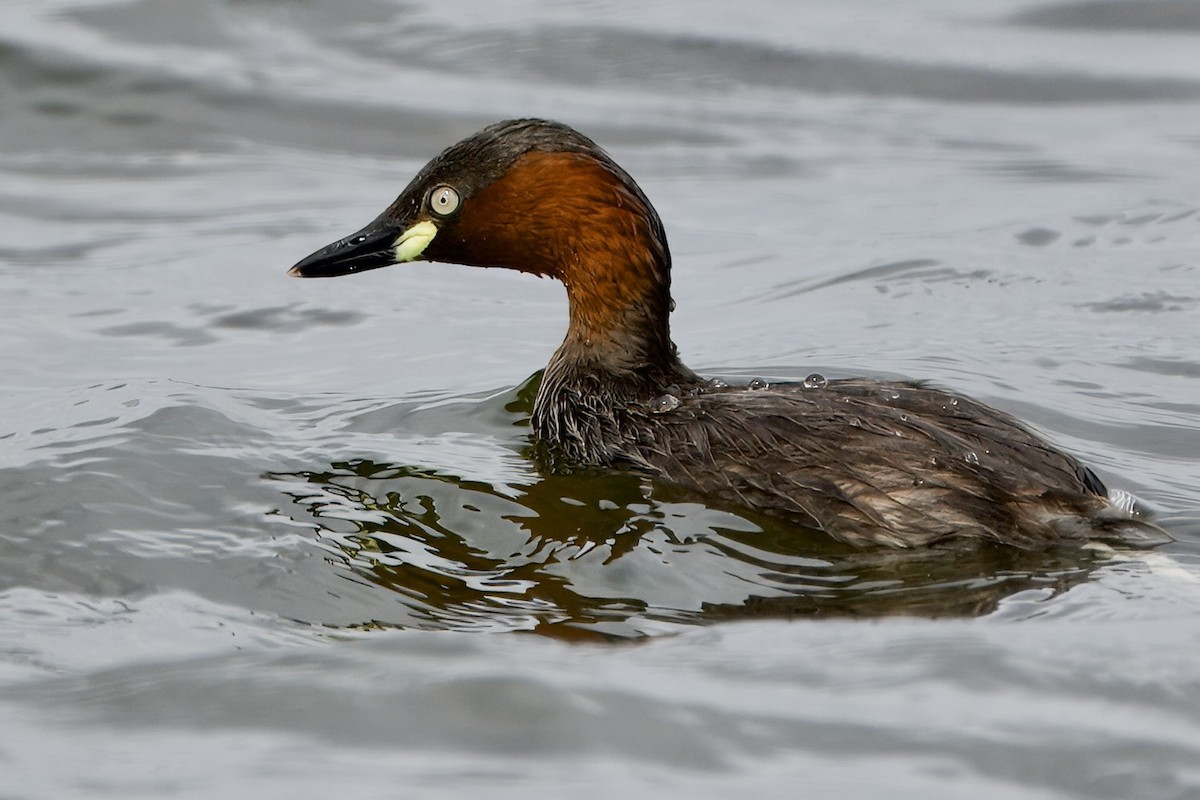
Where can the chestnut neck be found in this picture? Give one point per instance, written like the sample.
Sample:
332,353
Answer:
620,305
578,217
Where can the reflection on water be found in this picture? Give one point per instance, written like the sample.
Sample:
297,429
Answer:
613,553
619,555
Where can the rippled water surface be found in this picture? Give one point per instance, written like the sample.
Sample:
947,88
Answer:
262,537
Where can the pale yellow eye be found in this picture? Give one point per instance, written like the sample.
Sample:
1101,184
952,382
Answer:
443,200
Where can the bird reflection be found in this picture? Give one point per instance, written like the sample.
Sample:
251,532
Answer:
613,555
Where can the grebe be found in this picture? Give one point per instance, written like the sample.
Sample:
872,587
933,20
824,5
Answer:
886,463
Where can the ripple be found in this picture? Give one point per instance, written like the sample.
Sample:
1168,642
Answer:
287,319
172,332
1152,302
620,56
1038,237
1143,16
1052,171
916,270
1162,366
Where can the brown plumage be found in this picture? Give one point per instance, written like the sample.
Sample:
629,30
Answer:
869,462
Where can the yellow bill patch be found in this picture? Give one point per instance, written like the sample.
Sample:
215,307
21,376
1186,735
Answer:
413,241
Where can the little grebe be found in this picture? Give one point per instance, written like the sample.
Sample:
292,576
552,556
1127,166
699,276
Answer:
869,462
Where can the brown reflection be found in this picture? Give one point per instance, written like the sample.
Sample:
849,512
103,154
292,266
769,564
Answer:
403,538
615,556
956,580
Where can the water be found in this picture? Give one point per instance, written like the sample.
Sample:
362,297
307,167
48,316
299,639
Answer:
262,537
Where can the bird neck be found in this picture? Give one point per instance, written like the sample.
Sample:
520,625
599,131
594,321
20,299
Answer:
619,314
616,358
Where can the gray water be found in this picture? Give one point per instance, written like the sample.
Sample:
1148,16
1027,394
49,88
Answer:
262,537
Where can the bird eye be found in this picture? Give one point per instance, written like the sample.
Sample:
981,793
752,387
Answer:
444,200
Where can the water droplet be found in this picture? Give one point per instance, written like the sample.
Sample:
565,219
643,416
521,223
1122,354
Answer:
664,403
972,458
953,401
904,417
717,383
758,383
933,462
815,381
894,396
